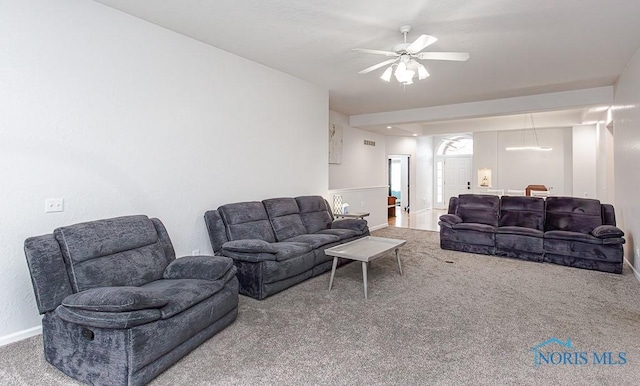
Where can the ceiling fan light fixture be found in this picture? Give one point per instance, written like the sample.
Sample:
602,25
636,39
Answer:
403,75
422,72
386,75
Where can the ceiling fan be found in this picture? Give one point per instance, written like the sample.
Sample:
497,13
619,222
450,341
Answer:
407,55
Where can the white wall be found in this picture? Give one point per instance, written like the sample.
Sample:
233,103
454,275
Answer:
119,116
604,164
424,171
584,155
485,155
626,128
518,169
407,146
361,176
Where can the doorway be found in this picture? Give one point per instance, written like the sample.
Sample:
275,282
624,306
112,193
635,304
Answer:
457,176
399,182
452,168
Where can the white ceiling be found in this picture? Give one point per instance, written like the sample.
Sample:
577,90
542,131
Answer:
516,48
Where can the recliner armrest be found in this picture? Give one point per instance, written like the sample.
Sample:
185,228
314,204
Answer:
607,232
356,224
198,267
249,250
450,219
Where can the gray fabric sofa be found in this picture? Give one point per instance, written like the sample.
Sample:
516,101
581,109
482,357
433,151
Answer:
279,242
118,307
570,231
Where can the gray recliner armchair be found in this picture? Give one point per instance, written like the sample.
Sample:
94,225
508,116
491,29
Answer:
118,307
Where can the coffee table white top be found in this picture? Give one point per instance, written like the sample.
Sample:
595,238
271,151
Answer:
365,249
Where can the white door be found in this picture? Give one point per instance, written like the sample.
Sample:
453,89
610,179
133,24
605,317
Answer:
457,177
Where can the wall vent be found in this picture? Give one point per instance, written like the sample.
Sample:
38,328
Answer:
369,143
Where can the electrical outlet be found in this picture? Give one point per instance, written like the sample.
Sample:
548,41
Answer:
53,205
195,252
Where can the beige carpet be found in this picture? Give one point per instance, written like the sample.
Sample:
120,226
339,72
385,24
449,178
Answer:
453,318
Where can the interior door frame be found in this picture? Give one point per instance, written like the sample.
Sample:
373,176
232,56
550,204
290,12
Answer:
445,204
405,201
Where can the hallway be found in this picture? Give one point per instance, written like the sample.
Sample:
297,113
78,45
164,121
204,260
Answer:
426,219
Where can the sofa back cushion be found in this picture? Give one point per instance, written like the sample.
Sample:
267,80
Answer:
285,217
216,229
123,251
572,214
526,212
478,208
315,213
247,220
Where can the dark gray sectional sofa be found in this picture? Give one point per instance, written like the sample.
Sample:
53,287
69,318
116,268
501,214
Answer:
278,242
118,307
576,232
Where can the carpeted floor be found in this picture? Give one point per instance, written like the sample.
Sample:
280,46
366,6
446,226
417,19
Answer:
453,318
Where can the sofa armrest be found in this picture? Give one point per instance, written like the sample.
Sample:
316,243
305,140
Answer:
356,224
450,219
607,232
198,267
115,299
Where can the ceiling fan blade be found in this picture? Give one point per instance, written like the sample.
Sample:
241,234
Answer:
422,42
376,66
379,52
455,56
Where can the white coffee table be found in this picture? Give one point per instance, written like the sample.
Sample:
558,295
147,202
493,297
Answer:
365,250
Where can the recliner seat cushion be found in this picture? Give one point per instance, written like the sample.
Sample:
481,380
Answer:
315,240
520,231
475,227
183,293
581,237
287,250
342,233
116,299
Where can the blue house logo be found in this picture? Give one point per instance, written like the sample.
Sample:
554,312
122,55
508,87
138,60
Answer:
567,355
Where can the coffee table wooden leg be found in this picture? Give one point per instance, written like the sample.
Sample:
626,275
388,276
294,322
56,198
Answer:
398,257
364,277
333,271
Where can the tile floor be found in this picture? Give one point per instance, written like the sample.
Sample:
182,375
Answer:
426,219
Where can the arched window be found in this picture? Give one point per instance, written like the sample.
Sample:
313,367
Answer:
455,145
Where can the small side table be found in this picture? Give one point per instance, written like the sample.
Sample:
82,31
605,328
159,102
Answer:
352,215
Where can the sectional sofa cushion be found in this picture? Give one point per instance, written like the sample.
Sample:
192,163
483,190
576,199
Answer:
581,237
523,231
476,208
526,212
247,220
285,217
572,214
183,293
315,213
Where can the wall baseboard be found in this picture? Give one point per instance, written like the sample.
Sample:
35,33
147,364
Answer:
635,272
375,228
20,335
